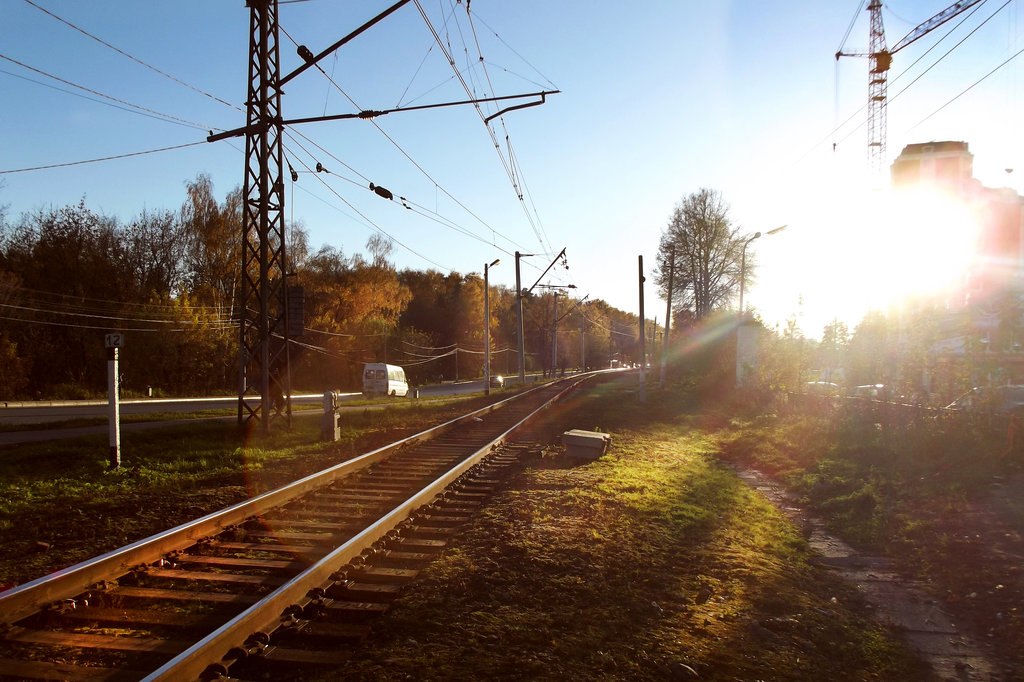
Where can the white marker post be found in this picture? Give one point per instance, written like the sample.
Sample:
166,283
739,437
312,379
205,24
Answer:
114,343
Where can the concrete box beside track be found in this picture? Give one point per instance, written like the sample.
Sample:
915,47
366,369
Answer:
581,444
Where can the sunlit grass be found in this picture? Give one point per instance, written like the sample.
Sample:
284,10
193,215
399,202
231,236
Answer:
642,564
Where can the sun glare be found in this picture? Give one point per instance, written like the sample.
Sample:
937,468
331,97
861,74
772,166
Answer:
851,250
932,243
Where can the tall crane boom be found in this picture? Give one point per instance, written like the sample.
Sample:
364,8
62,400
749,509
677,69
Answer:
878,69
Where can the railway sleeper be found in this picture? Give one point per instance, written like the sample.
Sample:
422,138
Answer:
440,520
224,600
301,525
79,640
320,632
259,548
394,559
135,617
241,579
351,611
42,670
276,565
433,545
351,590
286,658
318,538
427,533
384,576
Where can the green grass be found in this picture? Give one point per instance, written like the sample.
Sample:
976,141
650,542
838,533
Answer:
61,503
647,563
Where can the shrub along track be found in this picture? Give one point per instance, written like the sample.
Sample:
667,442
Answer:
289,576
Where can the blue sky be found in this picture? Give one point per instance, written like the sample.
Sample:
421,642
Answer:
658,100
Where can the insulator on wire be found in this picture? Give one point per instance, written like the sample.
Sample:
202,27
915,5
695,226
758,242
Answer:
382,191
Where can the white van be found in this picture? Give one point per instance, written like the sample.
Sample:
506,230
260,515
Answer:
381,379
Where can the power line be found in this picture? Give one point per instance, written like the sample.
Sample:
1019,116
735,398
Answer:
490,131
169,117
133,58
104,158
107,327
968,88
100,317
512,49
408,203
93,99
403,152
373,224
508,141
950,50
860,110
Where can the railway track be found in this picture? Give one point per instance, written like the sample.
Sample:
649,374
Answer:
280,582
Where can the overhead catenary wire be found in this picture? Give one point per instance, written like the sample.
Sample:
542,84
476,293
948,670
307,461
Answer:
105,327
102,158
402,150
404,201
968,88
168,117
91,99
78,300
508,141
490,131
373,225
132,57
71,313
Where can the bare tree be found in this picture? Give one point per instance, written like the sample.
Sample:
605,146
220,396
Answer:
707,251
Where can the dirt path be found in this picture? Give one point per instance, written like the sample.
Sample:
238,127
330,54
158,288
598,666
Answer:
928,627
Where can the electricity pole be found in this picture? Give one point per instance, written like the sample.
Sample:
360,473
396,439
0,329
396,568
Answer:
668,317
266,324
520,294
643,349
263,304
519,320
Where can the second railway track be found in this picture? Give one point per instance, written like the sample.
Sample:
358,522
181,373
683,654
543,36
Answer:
285,579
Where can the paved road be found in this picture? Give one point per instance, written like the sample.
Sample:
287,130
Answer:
47,413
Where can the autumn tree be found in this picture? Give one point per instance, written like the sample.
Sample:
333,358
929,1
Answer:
706,250
213,242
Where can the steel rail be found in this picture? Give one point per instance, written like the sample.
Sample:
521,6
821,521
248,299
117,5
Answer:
24,600
266,615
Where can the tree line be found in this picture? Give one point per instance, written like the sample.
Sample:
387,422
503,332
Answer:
169,280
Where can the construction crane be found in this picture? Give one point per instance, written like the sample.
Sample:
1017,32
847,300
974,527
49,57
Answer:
878,68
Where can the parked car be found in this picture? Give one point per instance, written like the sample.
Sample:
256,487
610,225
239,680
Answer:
822,388
991,399
870,391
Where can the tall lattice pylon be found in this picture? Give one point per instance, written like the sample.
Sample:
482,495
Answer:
263,357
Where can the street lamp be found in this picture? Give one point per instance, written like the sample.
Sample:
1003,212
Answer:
743,259
487,328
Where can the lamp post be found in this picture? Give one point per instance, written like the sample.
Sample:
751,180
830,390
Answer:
746,337
743,259
487,328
